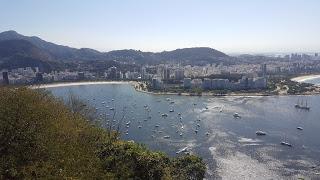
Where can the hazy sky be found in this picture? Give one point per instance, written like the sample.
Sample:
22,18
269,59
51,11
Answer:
232,26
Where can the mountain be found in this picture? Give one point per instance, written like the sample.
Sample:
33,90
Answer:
54,52
21,53
59,52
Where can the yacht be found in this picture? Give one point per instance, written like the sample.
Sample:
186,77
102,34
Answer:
301,105
261,133
300,128
286,144
236,115
185,149
164,115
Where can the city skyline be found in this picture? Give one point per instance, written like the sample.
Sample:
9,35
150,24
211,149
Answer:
229,26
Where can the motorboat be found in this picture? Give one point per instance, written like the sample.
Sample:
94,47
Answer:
261,133
164,115
236,115
286,144
300,128
185,149
166,137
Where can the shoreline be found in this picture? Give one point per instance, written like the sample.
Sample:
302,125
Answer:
224,95
135,84
305,78
85,83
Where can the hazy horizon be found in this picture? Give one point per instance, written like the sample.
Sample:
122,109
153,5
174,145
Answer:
233,27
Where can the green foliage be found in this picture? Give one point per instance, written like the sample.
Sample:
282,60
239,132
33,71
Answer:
41,138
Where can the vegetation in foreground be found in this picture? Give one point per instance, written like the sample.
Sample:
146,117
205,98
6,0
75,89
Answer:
42,138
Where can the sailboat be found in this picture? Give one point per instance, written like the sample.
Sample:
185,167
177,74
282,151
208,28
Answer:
300,105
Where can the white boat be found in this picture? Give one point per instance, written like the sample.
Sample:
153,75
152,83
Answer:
286,144
236,115
128,123
166,137
185,149
111,109
171,110
300,128
164,115
139,126
261,133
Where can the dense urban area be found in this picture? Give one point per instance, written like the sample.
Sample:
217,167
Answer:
246,72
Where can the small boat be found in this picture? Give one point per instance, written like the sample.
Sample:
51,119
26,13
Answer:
171,110
286,144
112,99
261,133
179,114
180,134
302,106
164,115
128,123
236,115
207,133
198,125
166,137
111,109
172,102
103,102
139,126
185,149
196,131
157,125
300,128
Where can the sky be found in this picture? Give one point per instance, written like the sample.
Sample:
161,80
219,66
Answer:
231,26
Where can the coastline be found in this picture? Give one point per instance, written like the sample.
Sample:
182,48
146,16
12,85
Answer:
64,84
305,78
135,85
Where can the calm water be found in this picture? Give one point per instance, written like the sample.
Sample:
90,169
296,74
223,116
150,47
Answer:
228,145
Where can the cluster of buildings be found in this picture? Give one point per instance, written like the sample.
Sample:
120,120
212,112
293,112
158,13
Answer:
222,84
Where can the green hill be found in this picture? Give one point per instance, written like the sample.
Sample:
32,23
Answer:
41,138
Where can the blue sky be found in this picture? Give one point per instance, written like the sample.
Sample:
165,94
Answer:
232,26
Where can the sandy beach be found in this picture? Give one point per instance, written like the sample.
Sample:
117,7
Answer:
75,84
305,78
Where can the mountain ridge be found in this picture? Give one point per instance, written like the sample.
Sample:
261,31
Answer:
66,54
